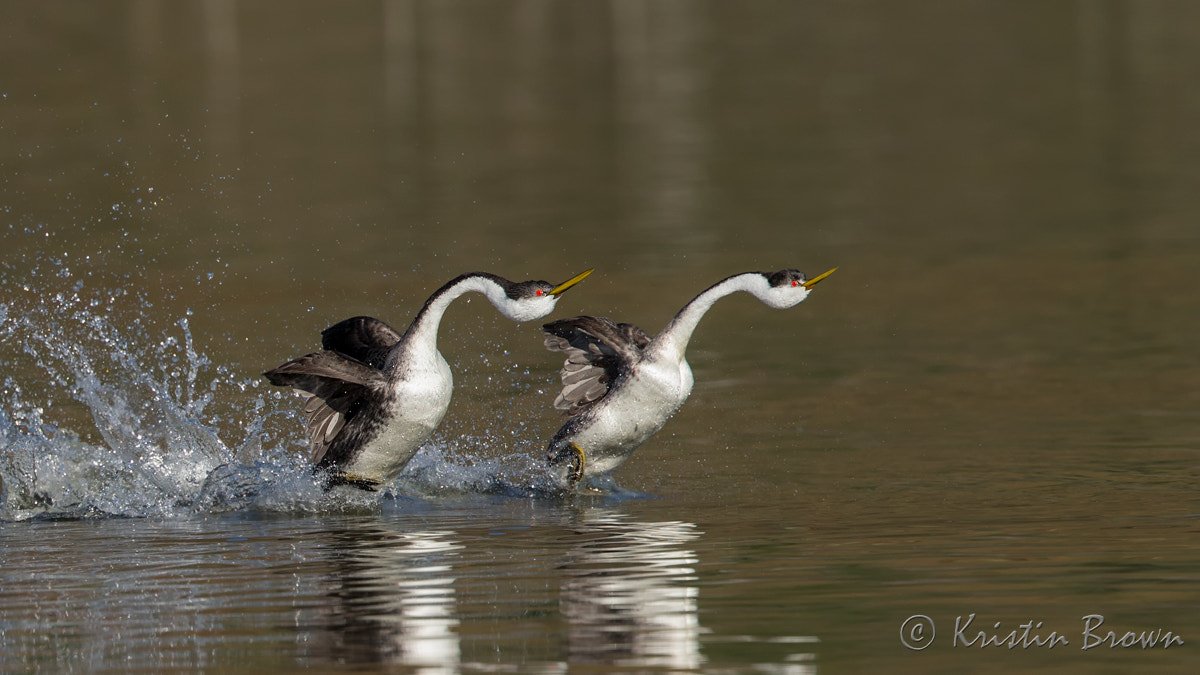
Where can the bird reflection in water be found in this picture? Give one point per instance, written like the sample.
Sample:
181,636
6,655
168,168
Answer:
396,601
629,593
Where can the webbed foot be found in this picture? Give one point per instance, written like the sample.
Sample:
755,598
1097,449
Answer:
568,461
578,460
353,480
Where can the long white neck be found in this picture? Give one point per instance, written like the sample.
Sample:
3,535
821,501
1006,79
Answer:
420,340
673,340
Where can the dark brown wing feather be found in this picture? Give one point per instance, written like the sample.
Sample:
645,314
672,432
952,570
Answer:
333,386
599,353
362,338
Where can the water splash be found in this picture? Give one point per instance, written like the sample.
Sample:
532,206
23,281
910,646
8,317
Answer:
104,416
277,487
105,413
109,407
462,465
152,447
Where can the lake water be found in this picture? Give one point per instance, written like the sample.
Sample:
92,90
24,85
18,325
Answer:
974,448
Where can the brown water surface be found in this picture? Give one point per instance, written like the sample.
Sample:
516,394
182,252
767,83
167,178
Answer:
991,409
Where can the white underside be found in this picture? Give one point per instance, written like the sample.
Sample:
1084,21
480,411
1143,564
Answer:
422,399
634,413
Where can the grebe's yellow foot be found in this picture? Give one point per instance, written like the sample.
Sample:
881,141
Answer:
353,480
577,462
567,460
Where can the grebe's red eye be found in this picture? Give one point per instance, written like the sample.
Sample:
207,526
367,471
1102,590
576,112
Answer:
795,283
540,292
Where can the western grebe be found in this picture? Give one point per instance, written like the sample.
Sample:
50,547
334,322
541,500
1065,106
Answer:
373,395
620,386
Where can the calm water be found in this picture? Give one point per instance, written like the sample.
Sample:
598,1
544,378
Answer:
992,409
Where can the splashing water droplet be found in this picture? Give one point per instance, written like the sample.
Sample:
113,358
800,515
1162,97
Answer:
148,436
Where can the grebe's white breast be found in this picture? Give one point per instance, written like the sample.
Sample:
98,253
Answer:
628,417
420,399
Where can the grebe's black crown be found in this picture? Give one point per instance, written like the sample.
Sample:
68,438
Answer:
521,290
528,289
784,277
514,290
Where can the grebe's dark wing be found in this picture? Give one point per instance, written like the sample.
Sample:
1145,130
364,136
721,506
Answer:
599,352
334,388
362,338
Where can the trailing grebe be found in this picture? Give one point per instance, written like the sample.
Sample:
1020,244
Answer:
373,396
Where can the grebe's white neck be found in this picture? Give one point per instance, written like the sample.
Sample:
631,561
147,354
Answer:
421,335
518,301
779,290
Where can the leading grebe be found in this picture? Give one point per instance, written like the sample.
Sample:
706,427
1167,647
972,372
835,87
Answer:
620,386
